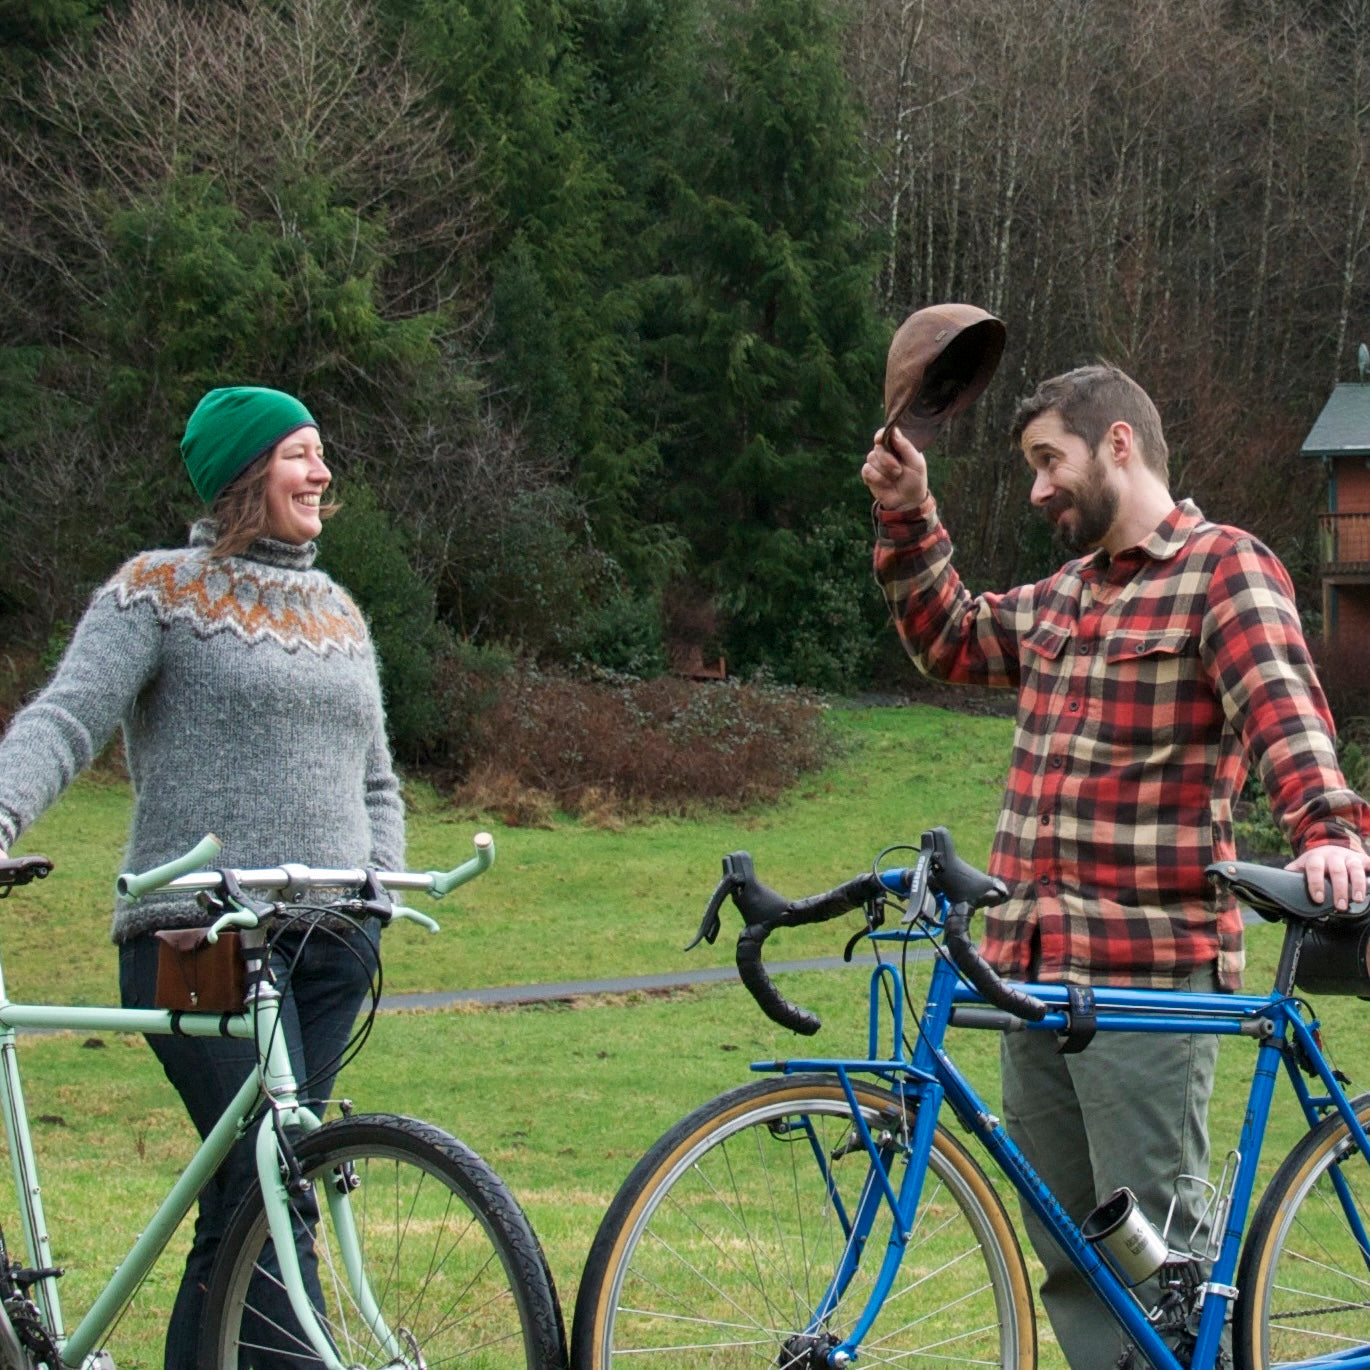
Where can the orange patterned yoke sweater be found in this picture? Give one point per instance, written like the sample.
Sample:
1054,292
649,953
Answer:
248,695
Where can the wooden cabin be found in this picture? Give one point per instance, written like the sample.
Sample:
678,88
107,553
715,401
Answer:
1341,439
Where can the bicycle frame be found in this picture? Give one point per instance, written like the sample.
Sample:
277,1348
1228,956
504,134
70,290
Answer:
930,1077
273,1082
270,1089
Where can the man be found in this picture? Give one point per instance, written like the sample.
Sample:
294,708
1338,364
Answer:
1151,672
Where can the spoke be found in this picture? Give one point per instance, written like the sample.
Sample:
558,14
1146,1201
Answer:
1337,1270
704,1279
917,1284
932,1350
435,1272
1318,1333
766,1347
701,1322
933,1313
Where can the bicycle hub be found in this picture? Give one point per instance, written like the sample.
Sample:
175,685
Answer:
807,1351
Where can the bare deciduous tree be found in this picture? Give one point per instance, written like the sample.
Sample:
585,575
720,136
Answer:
1180,186
226,193
259,98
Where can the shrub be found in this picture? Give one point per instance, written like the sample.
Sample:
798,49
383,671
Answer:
468,681
363,550
21,675
1258,835
1344,669
1353,749
621,634
662,745
810,612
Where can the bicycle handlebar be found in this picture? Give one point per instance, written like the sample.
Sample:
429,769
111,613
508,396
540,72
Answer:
763,911
187,873
444,882
938,869
983,975
130,886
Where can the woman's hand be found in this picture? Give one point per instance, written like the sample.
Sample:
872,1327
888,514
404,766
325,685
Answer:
898,479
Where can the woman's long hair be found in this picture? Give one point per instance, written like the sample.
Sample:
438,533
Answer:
239,510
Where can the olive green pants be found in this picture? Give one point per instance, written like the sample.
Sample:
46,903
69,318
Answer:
1131,1110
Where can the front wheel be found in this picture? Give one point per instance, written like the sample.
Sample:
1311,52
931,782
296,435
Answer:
1305,1270
457,1276
722,1248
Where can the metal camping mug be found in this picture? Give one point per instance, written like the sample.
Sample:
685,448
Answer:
1134,1248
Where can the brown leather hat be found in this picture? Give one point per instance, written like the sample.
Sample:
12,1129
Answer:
939,361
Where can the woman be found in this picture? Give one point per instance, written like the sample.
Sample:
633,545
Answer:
246,686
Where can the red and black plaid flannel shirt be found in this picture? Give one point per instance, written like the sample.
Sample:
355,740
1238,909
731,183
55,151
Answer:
1144,684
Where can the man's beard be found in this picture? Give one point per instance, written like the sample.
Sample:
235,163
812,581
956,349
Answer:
1095,505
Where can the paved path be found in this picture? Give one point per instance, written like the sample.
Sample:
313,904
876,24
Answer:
574,989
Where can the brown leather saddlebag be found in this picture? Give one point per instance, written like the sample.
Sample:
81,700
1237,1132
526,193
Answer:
196,975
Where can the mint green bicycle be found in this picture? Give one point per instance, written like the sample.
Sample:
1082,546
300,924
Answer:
371,1241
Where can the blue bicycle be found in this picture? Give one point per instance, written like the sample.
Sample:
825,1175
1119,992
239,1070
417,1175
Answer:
829,1216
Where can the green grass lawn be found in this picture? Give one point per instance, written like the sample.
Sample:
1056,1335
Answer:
561,1099
574,901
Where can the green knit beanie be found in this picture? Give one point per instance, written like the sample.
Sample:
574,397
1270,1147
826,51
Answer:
231,428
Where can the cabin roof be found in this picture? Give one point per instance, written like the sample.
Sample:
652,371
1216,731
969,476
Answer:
1343,427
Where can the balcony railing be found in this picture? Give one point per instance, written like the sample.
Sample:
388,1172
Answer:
1345,543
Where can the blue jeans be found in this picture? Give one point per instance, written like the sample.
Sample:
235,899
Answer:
321,999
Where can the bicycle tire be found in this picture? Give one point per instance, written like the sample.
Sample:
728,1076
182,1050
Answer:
721,1243
456,1269
1304,1276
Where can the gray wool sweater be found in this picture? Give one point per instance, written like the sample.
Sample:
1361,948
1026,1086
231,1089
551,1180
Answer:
251,708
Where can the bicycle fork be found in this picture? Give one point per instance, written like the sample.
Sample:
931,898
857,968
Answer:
282,1185
276,1173
910,1136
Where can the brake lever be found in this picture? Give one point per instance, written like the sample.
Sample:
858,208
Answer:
373,900
407,914
918,901
246,919
711,924
875,917
229,899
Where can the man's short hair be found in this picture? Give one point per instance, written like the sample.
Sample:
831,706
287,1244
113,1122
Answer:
1090,400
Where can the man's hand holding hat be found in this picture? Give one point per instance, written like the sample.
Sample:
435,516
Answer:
898,478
